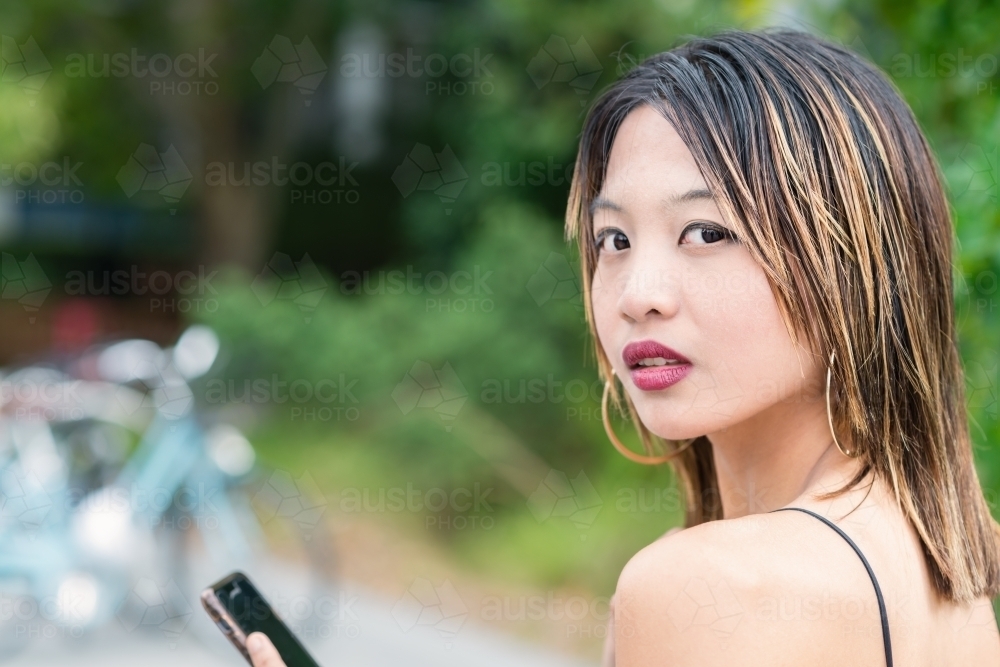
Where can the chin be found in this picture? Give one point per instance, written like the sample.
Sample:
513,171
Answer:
673,433
670,429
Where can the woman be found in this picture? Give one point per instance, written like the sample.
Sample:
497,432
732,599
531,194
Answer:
767,256
767,260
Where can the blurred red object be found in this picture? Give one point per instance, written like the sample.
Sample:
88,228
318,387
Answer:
76,324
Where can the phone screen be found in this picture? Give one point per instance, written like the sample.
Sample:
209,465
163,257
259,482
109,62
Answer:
251,611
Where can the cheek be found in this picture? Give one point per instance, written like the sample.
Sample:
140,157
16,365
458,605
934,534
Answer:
752,357
603,304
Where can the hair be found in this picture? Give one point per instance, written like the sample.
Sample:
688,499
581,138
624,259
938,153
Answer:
814,157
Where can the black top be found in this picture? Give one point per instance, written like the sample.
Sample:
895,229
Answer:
871,574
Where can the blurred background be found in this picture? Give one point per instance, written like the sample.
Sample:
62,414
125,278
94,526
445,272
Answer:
284,288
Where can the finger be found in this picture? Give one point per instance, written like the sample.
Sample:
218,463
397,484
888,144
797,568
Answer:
262,651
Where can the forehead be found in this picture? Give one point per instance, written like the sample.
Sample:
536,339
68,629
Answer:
648,154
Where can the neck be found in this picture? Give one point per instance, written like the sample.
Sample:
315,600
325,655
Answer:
776,456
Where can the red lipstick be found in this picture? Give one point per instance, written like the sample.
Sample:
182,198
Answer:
654,366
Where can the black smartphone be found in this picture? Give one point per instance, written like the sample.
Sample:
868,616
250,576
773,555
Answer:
239,609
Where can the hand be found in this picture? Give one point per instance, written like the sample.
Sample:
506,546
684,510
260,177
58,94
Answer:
262,651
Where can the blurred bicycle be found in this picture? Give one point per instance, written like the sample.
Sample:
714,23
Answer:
85,515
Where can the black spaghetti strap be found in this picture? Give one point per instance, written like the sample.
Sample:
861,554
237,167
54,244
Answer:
878,591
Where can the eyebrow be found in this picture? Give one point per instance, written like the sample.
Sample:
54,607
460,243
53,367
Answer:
691,195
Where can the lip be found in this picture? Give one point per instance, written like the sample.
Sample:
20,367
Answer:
653,378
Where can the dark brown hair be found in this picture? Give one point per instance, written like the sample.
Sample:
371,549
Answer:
820,166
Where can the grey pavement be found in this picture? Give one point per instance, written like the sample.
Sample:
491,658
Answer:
349,627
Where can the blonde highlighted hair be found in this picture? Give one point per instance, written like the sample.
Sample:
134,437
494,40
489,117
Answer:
820,166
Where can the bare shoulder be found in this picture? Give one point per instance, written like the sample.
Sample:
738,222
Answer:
732,592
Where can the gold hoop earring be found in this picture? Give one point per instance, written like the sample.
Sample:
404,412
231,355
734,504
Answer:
625,451
829,413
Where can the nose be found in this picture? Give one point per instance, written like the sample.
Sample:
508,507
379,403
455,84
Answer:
649,291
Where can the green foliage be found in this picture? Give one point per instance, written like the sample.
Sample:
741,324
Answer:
510,231
504,332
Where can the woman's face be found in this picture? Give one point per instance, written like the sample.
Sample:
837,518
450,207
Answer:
671,278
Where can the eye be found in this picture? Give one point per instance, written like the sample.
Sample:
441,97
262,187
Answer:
611,240
710,234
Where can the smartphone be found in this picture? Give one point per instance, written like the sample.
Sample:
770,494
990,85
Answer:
239,609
